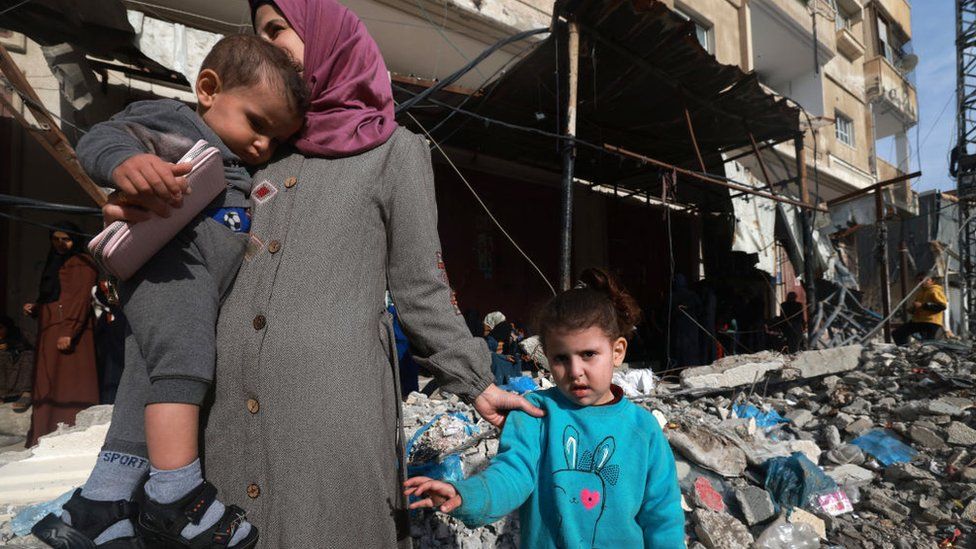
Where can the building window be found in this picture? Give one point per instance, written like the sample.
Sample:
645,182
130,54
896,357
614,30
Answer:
843,20
703,31
844,127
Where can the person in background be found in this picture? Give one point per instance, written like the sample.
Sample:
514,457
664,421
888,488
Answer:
927,307
109,340
491,320
792,324
505,364
65,378
16,366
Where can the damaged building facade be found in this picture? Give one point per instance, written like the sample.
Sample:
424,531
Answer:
843,65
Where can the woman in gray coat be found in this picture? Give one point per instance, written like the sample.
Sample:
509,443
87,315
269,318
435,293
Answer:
305,425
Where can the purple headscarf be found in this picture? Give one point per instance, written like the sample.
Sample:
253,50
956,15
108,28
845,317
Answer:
351,109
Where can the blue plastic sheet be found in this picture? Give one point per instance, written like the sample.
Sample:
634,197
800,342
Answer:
795,481
29,516
520,385
764,420
448,469
885,447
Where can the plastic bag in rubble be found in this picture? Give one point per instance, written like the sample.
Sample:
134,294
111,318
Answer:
885,447
29,516
520,385
764,420
784,535
635,383
796,481
448,468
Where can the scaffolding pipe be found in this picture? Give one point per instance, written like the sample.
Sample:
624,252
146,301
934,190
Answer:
882,235
569,162
712,180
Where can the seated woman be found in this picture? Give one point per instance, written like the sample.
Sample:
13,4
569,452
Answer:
16,366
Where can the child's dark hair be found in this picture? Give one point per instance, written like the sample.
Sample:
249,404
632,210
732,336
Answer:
598,300
243,60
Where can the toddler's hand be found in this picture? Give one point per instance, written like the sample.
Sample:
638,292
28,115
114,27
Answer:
150,182
439,494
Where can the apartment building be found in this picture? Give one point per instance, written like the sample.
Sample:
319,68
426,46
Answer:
848,63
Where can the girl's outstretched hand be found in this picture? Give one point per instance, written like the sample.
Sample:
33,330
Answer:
439,494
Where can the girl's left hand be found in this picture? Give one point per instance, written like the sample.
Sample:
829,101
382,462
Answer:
439,494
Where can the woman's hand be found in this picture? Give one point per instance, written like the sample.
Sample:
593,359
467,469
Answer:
30,309
493,403
146,183
439,494
64,344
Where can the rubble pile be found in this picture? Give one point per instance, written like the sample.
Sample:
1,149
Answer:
879,452
851,447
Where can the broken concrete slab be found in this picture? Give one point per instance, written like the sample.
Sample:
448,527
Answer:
851,475
732,371
878,501
823,362
799,516
708,447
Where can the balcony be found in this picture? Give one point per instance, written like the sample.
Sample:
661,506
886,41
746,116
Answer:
848,44
894,97
783,49
900,195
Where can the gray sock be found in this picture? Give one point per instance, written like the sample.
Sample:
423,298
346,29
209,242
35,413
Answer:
167,486
115,476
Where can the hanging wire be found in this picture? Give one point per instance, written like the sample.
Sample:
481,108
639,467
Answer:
485,206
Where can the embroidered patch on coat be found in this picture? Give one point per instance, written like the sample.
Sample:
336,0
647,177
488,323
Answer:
254,245
264,192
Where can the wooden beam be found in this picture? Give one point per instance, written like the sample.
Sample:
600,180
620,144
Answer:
694,141
49,135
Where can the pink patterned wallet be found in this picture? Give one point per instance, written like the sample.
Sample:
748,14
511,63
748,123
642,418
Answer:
122,248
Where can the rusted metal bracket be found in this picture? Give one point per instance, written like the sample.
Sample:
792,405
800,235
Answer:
47,132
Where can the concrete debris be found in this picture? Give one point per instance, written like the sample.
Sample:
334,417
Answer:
720,530
919,395
755,504
922,395
733,371
960,434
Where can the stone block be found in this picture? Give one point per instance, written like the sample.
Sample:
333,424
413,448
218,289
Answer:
926,437
721,530
755,504
800,417
799,516
961,434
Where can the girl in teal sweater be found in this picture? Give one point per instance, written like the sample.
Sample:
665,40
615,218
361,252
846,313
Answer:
596,471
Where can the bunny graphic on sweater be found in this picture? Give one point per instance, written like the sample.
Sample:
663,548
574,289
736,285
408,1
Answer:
580,488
